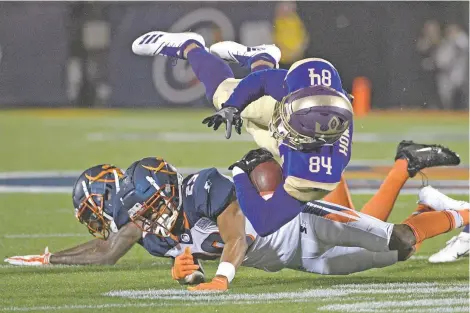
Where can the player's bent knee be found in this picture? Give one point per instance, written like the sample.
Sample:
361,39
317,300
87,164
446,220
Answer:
402,240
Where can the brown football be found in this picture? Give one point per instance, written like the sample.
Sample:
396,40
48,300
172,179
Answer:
267,176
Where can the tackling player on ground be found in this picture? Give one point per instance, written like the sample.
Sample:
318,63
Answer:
170,215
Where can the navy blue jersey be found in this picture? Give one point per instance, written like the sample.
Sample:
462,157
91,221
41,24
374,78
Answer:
205,196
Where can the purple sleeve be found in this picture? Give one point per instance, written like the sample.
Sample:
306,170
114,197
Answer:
256,85
266,216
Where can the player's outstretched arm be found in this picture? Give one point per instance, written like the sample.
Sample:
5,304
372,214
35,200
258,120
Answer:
88,246
65,257
251,88
231,225
104,252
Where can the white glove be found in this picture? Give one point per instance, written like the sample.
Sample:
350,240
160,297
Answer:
30,260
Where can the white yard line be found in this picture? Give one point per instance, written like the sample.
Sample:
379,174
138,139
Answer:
375,306
183,295
34,189
41,266
38,174
58,235
183,170
336,294
216,137
353,190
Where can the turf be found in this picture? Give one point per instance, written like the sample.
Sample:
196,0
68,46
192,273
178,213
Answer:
61,288
70,140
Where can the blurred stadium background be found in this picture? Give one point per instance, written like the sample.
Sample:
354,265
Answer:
72,95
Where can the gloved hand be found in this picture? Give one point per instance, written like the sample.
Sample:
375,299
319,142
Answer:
252,159
184,265
228,115
30,260
219,283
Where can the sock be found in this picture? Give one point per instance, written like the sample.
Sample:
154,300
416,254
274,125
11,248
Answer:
381,204
340,195
420,209
430,224
209,69
261,56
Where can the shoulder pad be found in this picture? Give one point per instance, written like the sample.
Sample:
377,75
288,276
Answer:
206,194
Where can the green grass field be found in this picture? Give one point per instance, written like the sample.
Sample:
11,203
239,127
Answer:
73,140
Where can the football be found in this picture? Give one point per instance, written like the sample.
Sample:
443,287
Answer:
267,176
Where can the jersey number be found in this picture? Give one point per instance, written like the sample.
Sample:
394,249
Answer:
323,79
316,163
190,185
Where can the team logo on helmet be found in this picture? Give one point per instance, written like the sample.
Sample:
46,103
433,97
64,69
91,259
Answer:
311,117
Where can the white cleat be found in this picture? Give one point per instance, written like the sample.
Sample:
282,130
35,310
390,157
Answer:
457,247
162,43
438,201
234,52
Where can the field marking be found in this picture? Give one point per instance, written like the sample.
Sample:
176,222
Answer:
34,189
184,295
38,174
358,191
130,305
375,305
58,235
182,170
362,137
39,266
63,186
337,293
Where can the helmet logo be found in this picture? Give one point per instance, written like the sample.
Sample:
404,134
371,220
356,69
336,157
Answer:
135,209
185,238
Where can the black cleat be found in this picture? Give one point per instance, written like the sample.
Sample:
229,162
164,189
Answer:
421,156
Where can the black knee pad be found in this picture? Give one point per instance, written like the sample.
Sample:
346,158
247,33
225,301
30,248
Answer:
402,239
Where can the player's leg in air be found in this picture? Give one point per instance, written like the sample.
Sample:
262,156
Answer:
213,72
409,160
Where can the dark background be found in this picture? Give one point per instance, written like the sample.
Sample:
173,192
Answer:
39,40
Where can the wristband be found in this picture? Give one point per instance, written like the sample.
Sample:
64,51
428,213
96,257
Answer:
226,269
236,170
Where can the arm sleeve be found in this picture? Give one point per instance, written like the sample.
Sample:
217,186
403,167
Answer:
266,216
268,82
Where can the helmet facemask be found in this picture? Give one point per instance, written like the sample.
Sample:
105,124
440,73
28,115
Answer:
91,209
159,213
91,213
